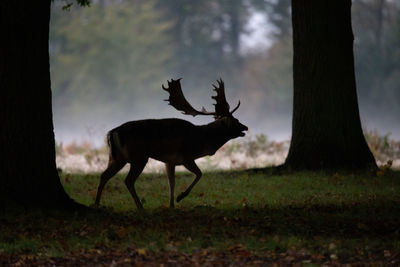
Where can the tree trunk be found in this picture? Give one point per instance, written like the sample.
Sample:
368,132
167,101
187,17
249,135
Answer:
234,31
28,172
326,128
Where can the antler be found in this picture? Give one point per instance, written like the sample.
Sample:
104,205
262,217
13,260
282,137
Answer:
178,100
222,106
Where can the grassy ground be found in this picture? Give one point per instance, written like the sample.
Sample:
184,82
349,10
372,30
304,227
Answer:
229,217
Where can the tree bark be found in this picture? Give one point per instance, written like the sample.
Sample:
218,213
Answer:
28,172
326,127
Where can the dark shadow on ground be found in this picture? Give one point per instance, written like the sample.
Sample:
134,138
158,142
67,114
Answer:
370,219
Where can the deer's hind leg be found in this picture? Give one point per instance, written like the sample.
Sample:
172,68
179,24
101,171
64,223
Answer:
134,172
113,167
171,179
192,167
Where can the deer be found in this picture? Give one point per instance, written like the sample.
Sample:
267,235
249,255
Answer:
172,141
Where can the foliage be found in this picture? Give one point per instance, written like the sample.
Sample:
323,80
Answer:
307,217
377,52
383,147
119,43
268,78
68,4
255,145
207,36
110,59
248,152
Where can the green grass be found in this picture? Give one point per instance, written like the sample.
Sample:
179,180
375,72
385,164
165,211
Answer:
318,213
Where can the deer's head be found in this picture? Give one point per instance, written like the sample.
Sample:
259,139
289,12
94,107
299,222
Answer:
222,113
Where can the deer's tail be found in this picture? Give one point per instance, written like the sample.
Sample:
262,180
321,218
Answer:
113,143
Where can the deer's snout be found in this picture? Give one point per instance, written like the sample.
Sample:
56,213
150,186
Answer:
243,128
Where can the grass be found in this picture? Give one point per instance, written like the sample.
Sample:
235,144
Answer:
330,216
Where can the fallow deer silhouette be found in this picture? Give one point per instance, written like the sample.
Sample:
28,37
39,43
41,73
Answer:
172,141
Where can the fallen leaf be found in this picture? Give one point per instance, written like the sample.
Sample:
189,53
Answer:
142,251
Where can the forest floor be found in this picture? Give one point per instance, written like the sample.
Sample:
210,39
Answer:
230,218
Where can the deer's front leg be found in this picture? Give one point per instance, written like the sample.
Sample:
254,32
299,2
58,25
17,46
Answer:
134,172
191,166
171,179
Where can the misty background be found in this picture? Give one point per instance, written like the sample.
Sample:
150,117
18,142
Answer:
108,62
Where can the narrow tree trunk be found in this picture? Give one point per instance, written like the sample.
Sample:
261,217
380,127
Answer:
326,129
234,31
28,172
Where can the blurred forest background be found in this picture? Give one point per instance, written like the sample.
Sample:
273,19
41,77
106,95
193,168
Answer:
108,62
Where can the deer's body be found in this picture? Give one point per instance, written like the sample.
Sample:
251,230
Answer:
172,141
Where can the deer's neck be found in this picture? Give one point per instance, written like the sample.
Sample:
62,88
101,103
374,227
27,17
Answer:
215,135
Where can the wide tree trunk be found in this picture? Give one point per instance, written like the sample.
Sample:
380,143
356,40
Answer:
28,172
326,129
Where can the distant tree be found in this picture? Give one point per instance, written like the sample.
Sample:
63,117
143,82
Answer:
326,129
28,171
377,55
267,77
207,36
279,16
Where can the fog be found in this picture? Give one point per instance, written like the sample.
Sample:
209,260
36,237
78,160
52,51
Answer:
108,62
